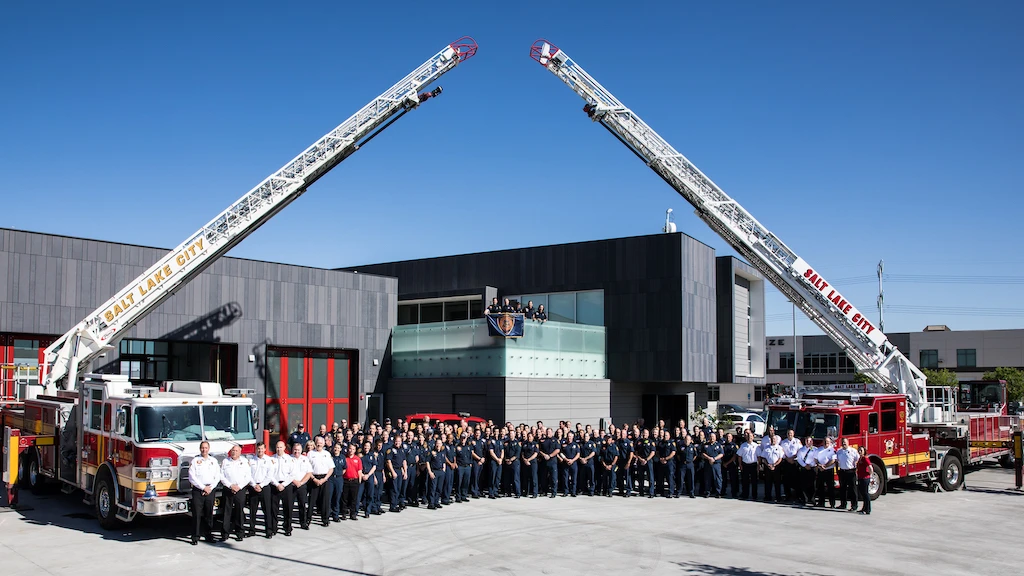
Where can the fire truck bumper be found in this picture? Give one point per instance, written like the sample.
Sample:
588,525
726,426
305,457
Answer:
162,506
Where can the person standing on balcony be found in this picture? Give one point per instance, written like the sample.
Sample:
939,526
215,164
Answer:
540,315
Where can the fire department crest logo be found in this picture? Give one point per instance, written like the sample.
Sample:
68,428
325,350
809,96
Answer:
890,446
506,323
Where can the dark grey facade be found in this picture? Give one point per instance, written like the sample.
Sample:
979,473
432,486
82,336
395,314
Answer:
659,295
49,283
660,317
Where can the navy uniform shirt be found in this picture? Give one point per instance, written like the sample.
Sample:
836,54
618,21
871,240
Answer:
609,452
540,315
495,308
298,438
644,447
665,448
497,447
689,453
528,312
412,452
528,449
478,446
369,461
625,448
713,449
587,449
449,452
549,445
513,448
464,455
570,449
339,465
396,456
379,474
729,450
437,462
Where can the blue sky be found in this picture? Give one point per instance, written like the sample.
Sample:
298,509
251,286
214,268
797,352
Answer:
855,132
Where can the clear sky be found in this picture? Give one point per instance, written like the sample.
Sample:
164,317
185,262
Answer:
854,131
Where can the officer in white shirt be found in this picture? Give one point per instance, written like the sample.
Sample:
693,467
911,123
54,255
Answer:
204,476
300,480
322,466
236,476
261,491
847,458
773,457
283,488
807,462
748,453
826,465
790,470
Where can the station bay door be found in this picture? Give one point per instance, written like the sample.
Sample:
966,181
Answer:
311,386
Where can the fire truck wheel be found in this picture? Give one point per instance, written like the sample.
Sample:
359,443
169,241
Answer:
876,486
104,500
951,474
1007,461
33,478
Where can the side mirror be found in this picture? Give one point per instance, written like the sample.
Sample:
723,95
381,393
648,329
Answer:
255,418
122,420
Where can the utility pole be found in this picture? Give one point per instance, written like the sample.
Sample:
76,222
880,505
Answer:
881,297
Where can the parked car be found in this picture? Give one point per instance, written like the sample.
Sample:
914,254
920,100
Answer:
742,421
416,420
724,409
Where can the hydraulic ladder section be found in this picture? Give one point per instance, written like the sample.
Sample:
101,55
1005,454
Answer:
103,327
864,343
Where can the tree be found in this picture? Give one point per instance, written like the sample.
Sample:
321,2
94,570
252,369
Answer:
941,377
1014,381
862,378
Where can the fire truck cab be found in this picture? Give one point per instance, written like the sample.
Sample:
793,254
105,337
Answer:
127,448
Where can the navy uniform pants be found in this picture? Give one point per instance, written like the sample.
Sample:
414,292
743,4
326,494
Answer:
551,476
465,471
587,477
627,480
446,486
713,478
569,475
688,484
410,487
646,474
748,476
731,478
530,474
434,488
494,470
513,486
609,480
337,488
475,481
397,490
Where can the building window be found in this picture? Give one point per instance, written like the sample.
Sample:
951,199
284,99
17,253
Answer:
966,358
786,361
408,314
714,393
432,312
929,359
456,311
759,393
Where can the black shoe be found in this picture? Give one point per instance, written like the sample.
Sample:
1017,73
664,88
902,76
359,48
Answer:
327,523
693,496
194,541
353,518
222,538
305,526
573,495
366,514
287,532
268,536
552,495
239,537
250,532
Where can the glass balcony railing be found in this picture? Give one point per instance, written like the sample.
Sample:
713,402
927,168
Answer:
464,349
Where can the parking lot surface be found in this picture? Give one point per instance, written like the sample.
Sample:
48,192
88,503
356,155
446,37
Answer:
911,531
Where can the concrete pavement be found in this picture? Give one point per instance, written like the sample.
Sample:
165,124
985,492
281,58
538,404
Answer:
911,531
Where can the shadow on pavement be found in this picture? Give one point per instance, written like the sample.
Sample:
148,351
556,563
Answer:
712,570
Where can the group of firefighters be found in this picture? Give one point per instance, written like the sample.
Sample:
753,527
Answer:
337,474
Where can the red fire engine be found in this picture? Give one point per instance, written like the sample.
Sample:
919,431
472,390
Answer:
128,448
956,434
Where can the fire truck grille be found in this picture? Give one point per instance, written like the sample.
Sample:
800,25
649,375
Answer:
183,484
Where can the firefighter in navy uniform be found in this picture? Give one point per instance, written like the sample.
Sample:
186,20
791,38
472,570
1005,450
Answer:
513,453
449,470
609,464
435,473
626,458
730,466
588,455
495,454
464,460
689,455
530,464
570,465
666,451
494,308
549,451
395,460
645,464
478,446
713,455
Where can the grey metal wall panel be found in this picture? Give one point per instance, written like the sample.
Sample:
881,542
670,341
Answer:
51,282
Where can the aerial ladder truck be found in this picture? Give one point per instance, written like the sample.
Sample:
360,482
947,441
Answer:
912,430
126,447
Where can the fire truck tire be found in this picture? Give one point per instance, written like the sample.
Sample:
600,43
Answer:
951,474
33,478
1007,461
104,500
876,487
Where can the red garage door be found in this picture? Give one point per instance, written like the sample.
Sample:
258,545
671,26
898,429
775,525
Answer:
309,386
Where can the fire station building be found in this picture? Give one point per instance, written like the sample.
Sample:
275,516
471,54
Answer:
650,326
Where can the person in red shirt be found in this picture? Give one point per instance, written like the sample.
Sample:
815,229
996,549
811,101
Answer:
863,480
352,476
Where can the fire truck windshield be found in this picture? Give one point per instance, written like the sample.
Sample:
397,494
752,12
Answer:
190,424
815,424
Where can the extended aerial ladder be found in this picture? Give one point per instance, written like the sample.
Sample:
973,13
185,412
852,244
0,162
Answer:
822,302
105,326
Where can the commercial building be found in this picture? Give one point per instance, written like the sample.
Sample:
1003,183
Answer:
817,361
309,341
648,327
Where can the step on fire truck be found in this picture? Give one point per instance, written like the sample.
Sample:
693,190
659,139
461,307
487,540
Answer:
127,448
925,435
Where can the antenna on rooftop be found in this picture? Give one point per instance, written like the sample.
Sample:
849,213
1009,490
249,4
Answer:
670,226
